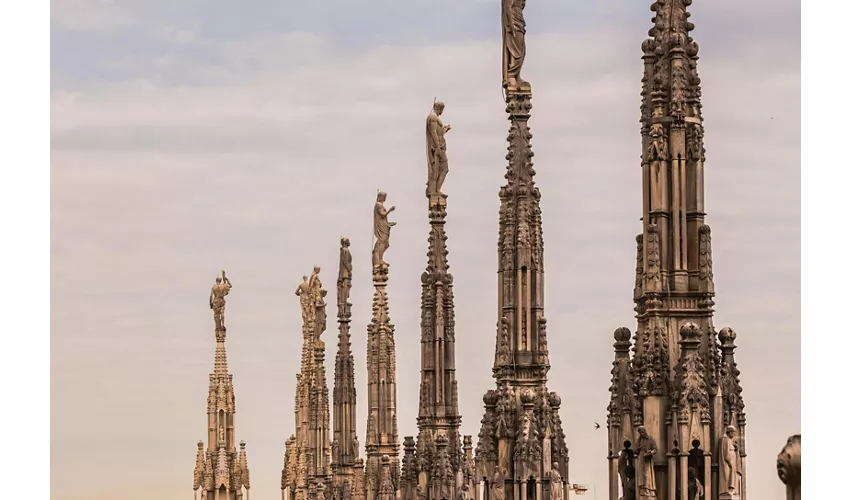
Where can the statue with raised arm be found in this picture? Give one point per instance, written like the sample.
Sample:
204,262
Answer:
435,140
219,291
646,449
305,296
513,44
343,282
382,231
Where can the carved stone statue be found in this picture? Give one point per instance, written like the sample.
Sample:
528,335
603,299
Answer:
513,44
624,463
789,467
695,488
629,487
382,231
219,291
435,140
420,495
498,486
464,492
646,449
730,463
305,295
556,485
317,296
345,267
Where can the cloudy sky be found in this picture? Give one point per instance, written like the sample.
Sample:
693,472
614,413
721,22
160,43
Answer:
193,136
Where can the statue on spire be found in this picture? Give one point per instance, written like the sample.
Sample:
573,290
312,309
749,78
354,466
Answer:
513,44
219,291
382,231
343,282
305,295
438,163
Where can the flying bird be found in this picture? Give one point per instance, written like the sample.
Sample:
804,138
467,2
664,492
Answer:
596,425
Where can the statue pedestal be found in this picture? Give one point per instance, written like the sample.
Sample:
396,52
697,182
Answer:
729,496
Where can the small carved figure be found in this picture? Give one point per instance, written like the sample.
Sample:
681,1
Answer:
730,462
464,492
317,296
646,449
304,294
217,302
626,460
345,270
435,140
556,483
695,488
513,43
657,143
629,489
499,485
420,495
382,231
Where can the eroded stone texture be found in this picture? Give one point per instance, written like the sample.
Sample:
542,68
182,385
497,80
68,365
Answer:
221,472
789,467
680,383
307,460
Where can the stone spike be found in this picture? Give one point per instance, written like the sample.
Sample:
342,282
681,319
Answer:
308,456
217,466
521,432
382,425
438,405
345,446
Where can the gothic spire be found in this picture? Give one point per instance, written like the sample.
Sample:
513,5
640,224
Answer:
521,438
345,447
438,405
219,470
382,425
684,391
308,457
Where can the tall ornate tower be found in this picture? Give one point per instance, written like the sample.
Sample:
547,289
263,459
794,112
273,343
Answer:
307,469
521,447
676,421
382,426
345,449
438,456
221,473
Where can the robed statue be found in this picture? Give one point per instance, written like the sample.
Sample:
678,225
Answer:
646,449
556,485
435,140
382,231
343,282
513,44
317,296
498,486
219,291
730,463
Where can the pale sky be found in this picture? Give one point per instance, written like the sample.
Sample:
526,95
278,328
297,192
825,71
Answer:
193,136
